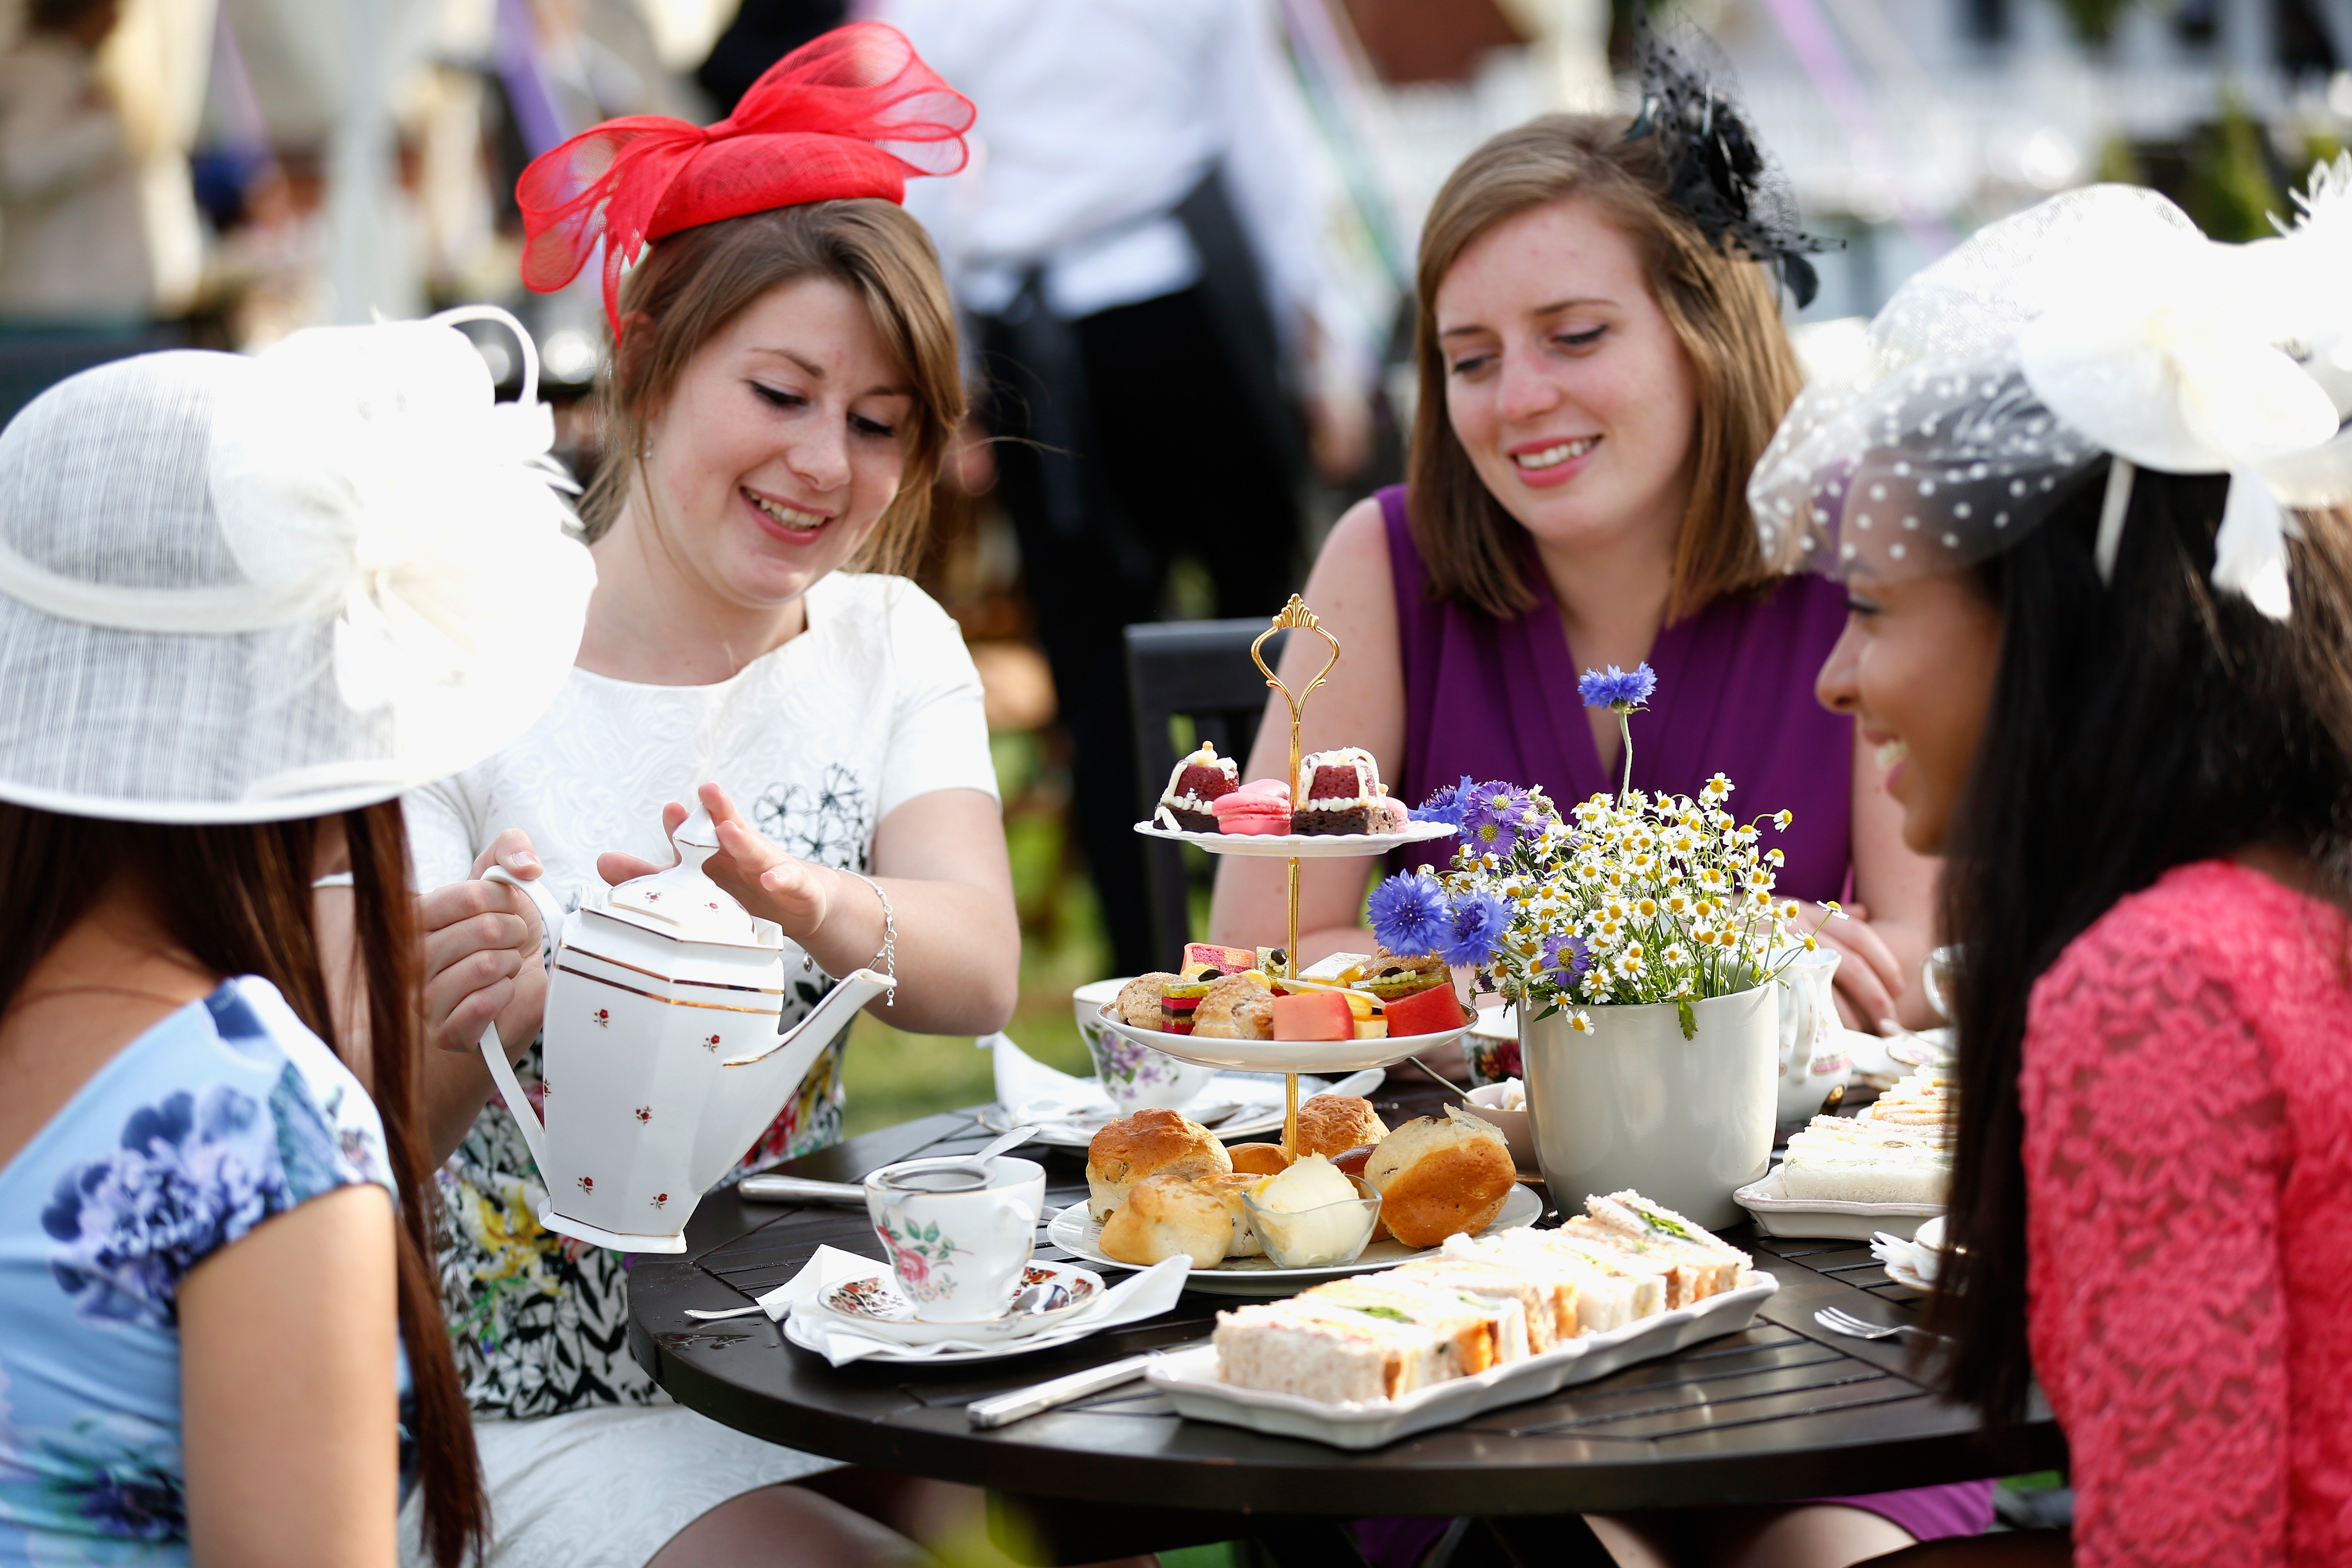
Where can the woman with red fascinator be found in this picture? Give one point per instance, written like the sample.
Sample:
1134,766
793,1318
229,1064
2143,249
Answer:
781,385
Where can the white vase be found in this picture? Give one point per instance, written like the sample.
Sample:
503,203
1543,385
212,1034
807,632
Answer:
1634,1104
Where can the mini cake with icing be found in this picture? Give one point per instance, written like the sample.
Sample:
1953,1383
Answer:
1200,780
1340,792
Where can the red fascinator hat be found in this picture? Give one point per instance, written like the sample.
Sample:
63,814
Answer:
851,113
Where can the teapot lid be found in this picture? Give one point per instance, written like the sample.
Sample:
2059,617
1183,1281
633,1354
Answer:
685,904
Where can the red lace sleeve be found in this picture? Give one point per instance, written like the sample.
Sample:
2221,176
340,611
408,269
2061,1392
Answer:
2153,1154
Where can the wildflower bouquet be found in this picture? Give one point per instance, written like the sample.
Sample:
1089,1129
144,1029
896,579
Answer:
1626,900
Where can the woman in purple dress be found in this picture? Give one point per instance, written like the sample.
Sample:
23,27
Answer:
1596,377
1601,363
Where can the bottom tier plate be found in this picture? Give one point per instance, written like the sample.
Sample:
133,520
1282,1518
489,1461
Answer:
1074,1230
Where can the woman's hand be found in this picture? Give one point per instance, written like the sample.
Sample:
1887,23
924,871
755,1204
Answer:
796,895
941,859
1869,976
482,943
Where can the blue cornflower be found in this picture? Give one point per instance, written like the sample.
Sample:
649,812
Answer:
1444,804
1622,690
1479,920
1496,816
1409,914
1567,954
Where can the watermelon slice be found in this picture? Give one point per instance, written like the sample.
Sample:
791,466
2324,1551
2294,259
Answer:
1430,1011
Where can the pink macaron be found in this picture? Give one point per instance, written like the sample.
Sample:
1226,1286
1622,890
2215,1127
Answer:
1261,806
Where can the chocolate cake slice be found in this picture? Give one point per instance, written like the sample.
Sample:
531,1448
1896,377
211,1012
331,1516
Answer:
1199,778
1340,794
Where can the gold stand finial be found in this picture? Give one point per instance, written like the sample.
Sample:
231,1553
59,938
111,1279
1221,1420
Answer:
1295,616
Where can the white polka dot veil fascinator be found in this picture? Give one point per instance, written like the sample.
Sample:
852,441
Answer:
2093,334
242,589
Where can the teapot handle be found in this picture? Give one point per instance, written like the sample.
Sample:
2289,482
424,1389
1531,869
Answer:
494,1051
502,1073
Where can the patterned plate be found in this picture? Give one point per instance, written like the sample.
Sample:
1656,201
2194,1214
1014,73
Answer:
874,1305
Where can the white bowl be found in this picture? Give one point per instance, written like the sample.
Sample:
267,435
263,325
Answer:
1511,1124
1133,1075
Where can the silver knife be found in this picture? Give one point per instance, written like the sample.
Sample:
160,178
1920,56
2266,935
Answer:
800,1190
1003,1409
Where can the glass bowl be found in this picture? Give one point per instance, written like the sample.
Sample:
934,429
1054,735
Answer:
1321,1237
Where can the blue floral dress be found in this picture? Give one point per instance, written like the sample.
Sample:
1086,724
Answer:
224,1114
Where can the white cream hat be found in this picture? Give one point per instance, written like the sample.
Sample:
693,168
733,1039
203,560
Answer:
2096,333
251,589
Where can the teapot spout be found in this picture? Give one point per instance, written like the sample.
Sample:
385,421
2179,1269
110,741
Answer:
854,991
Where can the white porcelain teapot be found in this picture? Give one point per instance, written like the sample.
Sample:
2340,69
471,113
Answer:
660,1057
1814,1058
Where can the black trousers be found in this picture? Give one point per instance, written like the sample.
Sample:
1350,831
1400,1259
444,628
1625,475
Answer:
1173,463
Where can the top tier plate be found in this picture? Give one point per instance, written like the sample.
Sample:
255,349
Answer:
1302,845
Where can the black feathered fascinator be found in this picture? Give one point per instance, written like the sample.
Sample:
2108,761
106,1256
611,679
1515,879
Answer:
1717,171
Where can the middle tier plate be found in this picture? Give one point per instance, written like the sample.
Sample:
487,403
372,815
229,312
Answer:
1282,1056
1302,845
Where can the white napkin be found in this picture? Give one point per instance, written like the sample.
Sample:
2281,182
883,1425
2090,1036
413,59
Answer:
1024,1083
1144,1295
1920,1261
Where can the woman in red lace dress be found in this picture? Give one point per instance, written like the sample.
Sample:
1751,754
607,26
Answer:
2115,691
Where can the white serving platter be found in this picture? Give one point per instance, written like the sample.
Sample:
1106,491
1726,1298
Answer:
1778,1214
1074,1230
1302,845
1189,1378
1282,1056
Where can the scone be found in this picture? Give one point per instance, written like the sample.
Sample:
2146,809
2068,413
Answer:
1440,1178
1258,1159
1167,1216
1331,1124
1144,1145
1238,1007
1139,999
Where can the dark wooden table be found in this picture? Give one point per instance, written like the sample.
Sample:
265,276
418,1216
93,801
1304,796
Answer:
1783,1410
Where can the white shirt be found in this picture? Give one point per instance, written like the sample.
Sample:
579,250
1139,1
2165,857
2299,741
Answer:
1096,118
73,231
875,703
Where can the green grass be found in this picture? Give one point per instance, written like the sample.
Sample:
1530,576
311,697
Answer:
891,1075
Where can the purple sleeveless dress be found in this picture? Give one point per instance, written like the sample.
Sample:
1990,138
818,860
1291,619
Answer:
1497,700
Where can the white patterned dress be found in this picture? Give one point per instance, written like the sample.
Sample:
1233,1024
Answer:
875,703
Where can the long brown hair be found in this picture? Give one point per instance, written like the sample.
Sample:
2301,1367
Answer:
1724,310
692,284
237,899
2137,724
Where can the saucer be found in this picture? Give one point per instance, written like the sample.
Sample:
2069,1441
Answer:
874,1305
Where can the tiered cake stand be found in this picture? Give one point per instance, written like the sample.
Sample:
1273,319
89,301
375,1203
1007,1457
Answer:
1293,1056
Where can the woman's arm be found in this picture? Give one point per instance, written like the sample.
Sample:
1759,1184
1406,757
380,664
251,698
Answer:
290,1407
482,960
940,856
2155,1154
1893,921
1362,704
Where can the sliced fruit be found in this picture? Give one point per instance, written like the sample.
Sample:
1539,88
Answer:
1371,1028
1428,1012
1316,1016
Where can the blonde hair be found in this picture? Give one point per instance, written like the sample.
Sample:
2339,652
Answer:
1723,307
693,283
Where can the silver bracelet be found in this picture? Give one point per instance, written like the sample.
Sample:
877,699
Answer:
886,961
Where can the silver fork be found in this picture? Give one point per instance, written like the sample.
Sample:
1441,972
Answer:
1847,1323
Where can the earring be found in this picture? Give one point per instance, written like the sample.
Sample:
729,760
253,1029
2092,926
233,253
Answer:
645,448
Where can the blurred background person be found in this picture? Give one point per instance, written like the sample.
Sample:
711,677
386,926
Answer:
73,237
1162,352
